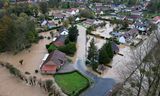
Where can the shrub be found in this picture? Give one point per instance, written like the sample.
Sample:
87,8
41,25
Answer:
47,46
69,49
51,48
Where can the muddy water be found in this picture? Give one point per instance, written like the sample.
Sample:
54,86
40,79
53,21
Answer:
32,58
11,86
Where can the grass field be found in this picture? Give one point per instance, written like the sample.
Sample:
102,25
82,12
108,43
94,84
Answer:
72,83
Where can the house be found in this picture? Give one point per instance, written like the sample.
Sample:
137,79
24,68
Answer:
90,22
122,40
131,34
133,17
140,26
63,31
120,17
137,8
156,20
60,41
44,22
99,11
53,62
115,34
51,24
136,13
98,4
72,11
58,16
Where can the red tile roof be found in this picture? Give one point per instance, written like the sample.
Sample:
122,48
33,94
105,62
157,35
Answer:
54,60
58,43
49,68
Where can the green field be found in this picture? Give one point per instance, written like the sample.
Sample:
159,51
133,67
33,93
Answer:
72,83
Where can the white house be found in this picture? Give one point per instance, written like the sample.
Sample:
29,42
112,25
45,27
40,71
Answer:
44,22
122,40
73,11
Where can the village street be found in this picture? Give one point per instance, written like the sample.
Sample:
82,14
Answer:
103,85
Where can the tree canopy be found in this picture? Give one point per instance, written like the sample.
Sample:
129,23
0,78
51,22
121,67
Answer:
16,33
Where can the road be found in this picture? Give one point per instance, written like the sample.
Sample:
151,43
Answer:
101,85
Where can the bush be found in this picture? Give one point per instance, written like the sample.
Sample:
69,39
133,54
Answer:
69,49
51,48
47,46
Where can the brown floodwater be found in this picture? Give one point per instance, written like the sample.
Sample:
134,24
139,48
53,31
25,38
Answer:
32,59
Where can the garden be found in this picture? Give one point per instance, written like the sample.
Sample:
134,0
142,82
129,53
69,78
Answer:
72,83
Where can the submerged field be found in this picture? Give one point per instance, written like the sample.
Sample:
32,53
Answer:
72,83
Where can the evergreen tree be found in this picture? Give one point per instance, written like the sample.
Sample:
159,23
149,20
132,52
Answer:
73,33
109,49
93,55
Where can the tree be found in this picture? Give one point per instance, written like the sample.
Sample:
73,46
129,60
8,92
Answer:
69,48
73,33
86,13
90,29
54,3
17,33
93,55
66,23
141,77
52,48
109,49
154,6
104,56
43,7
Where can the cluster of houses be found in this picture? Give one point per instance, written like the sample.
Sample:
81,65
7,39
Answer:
138,26
136,30
54,60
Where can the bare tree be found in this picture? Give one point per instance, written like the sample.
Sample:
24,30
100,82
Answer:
141,77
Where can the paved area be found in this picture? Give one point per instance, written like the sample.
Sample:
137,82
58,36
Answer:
66,68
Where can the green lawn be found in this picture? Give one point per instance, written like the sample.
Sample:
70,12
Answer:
72,83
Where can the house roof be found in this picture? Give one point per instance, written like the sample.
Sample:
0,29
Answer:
49,68
60,40
59,15
71,9
130,33
116,34
56,58
139,24
51,23
89,21
134,17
